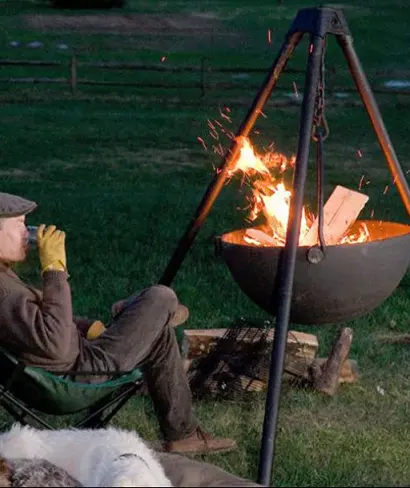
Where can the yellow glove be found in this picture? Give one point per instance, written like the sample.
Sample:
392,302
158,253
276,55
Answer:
51,248
95,330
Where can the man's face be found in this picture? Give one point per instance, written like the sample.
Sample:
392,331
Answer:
13,239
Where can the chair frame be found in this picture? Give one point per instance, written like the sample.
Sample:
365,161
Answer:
97,417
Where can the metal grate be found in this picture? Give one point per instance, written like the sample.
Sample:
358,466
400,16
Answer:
238,363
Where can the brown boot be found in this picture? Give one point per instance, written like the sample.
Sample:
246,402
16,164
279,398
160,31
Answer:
180,316
200,442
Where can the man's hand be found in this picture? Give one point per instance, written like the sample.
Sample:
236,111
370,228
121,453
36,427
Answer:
95,330
51,248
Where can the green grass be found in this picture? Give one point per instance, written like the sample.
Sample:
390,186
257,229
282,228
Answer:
122,172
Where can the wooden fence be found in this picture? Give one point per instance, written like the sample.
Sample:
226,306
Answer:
204,71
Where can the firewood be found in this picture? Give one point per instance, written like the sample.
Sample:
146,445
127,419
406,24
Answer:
261,237
251,384
399,338
339,213
328,381
200,342
350,372
311,369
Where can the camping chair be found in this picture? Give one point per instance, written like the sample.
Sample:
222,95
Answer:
29,393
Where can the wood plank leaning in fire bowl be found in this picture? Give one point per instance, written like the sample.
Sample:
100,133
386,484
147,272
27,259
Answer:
339,213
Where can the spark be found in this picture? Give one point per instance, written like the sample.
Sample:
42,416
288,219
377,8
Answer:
220,125
260,112
408,171
295,89
386,189
211,125
202,142
372,214
217,150
311,49
224,116
269,36
361,182
163,59
359,153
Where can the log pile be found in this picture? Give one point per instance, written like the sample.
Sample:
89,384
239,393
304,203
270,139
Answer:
301,361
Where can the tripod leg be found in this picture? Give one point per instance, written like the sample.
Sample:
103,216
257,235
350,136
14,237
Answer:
231,155
288,260
370,104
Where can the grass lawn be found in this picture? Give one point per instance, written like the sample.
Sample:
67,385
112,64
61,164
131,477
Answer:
122,171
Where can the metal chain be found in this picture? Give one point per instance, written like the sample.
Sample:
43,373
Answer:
320,132
319,119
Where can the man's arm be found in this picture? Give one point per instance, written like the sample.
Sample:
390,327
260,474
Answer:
40,327
83,324
90,329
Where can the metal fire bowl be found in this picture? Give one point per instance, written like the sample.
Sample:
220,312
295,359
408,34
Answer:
349,281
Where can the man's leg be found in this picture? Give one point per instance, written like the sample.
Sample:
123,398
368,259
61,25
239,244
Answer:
183,471
141,337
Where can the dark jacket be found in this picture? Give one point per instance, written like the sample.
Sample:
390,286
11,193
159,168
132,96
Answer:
38,326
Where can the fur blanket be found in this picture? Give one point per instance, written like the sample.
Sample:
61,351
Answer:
102,457
26,473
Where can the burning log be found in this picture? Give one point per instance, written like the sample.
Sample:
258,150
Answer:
260,238
340,212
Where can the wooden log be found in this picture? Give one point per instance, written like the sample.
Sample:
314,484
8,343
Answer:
261,237
328,381
200,342
339,213
399,338
311,369
350,372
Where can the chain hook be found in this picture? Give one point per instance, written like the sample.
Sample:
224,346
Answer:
319,118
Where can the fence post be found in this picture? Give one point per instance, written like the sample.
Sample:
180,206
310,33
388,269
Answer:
73,74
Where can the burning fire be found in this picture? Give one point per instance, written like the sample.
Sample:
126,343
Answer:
271,199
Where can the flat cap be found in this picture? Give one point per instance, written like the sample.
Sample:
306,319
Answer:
14,206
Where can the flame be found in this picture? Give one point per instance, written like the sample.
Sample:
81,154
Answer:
362,235
270,197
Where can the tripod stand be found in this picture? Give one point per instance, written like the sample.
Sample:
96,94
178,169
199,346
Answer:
318,23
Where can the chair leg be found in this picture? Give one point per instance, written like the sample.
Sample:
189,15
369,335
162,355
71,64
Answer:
96,418
19,411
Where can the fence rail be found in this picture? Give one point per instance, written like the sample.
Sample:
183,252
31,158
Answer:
203,69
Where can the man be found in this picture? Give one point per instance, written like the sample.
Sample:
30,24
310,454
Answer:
39,327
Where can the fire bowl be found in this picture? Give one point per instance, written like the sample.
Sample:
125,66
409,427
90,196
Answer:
351,280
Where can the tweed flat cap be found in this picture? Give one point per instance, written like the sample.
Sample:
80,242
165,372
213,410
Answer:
13,205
